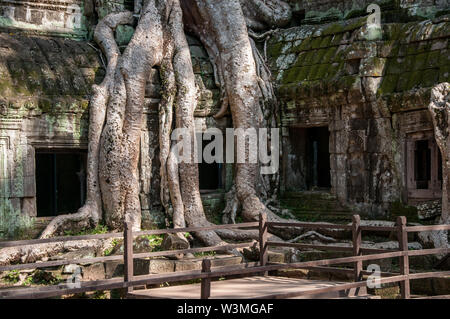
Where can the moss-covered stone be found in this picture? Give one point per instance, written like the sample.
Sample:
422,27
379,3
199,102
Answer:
337,38
414,81
303,72
433,59
388,85
444,58
329,54
309,58
395,66
333,29
333,69
444,73
420,61
399,209
403,80
313,72
290,75
326,41
274,50
392,31
429,78
356,24
318,56
315,43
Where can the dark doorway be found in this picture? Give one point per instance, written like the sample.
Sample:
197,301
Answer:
422,164
318,157
60,181
210,175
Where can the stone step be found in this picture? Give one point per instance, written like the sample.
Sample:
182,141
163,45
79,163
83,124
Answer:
40,223
323,216
312,195
313,205
304,203
146,266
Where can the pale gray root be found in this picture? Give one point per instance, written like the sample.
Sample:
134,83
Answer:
268,185
91,213
439,108
119,153
165,123
33,253
263,14
247,83
190,15
314,235
232,207
186,102
170,185
230,35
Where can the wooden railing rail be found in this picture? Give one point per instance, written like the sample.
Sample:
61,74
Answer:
60,239
194,229
214,273
309,225
414,229
207,273
402,235
129,256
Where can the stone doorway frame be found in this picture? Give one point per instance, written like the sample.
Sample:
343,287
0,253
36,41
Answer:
434,190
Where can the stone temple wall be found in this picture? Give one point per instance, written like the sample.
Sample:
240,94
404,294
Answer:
322,11
55,17
370,94
45,86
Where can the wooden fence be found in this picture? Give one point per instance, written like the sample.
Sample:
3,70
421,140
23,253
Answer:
207,273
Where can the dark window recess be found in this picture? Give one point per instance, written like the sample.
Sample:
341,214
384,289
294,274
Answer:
129,5
60,182
318,157
422,164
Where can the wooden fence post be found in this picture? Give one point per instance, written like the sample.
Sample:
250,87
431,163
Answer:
402,236
356,239
263,257
205,292
128,253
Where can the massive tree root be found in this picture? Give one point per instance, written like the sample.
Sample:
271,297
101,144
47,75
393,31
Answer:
439,108
117,115
90,214
222,28
116,112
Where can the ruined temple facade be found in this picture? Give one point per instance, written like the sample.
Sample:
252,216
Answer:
354,105
355,130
